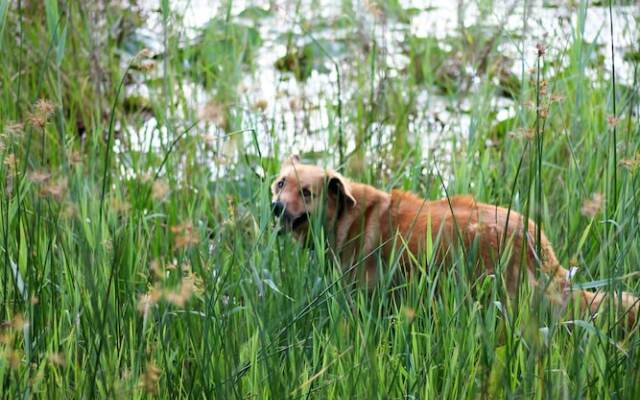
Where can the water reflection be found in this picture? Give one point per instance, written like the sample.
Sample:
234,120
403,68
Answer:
297,115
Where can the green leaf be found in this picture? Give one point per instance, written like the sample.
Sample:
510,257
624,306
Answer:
583,237
4,7
602,282
254,13
51,17
61,45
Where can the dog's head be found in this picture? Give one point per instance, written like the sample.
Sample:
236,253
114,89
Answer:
301,191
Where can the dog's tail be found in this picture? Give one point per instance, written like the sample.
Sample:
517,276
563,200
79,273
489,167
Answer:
627,305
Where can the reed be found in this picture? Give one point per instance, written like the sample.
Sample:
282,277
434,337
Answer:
156,271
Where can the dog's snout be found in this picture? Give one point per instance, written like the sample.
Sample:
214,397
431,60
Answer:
277,207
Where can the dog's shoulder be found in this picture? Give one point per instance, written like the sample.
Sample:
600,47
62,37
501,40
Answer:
463,200
400,196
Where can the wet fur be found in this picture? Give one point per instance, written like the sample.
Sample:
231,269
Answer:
363,222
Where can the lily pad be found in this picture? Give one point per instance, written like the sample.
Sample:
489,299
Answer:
508,83
632,56
255,13
396,10
312,56
136,104
500,129
431,64
220,48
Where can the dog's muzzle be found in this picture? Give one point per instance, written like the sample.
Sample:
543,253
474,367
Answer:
278,209
289,221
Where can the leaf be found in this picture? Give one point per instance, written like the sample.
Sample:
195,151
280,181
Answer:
273,286
61,45
589,327
22,255
18,280
220,50
51,17
54,27
312,56
254,13
602,282
498,371
583,237
4,7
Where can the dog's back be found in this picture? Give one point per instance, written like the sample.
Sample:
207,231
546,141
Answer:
496,233
361,220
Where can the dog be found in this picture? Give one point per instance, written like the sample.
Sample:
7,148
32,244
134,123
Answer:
362,222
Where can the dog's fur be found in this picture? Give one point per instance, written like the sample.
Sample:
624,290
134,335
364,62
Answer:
363,221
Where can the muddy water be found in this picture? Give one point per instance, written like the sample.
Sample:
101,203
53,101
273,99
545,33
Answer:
298,114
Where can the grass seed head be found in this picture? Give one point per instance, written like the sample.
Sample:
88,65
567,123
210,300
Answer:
159,190
143,54
56,189
209,139
523,133
6,337
373,7
147,67
150,377
14,129
261,104
11,162
75,157
39,176
183,293
42,110
56,359
13,357
543,87
185,235
543,111
612,121
214,112
69,211
147,300
592,206
186,226
156,269
556,98
631,163
120,206
409,313
18,322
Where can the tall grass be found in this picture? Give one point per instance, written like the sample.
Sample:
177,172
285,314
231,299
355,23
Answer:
140,274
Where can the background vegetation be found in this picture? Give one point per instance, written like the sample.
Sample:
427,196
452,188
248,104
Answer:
138,253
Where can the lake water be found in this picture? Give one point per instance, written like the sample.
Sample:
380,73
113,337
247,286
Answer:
297,114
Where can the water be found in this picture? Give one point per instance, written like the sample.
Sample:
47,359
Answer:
296,115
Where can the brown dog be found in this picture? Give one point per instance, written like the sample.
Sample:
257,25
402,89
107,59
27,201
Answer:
361,221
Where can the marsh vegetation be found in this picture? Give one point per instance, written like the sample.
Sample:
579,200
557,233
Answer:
138,253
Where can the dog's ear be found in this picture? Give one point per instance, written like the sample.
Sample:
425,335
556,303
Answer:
339,187
293,159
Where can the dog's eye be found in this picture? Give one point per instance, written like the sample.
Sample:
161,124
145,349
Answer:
280,184
306,193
